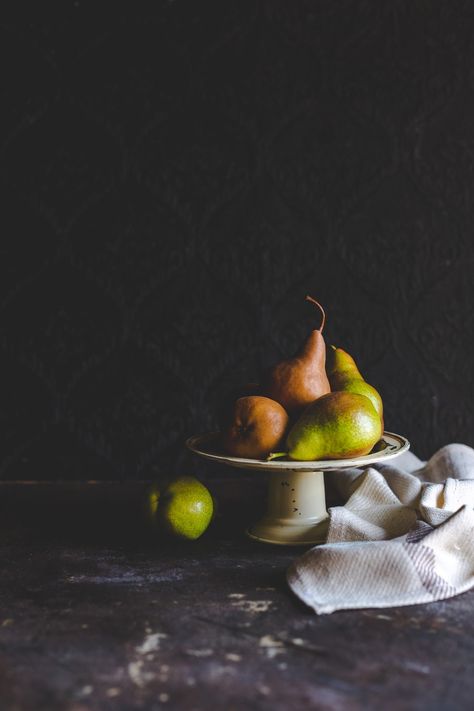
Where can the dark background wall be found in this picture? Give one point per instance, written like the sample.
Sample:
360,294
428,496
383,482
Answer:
176,176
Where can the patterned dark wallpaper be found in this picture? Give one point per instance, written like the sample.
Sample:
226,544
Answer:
176,176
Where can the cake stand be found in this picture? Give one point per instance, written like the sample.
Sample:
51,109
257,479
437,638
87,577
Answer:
296,511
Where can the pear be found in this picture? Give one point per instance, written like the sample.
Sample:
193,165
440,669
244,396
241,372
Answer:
185,508
299,381
338,425
344,375
256,427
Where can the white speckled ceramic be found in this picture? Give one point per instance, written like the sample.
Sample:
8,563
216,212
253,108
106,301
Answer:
296,507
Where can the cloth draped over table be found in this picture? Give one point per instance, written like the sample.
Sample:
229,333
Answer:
404,536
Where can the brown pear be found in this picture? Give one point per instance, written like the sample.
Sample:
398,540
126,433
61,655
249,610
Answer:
257,426
299,381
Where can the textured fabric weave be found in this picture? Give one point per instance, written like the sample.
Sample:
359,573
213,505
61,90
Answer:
404,536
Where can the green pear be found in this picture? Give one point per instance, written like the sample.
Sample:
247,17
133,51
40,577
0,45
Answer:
338,425
184,507
344,374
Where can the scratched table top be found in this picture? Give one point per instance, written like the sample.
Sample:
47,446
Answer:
97,614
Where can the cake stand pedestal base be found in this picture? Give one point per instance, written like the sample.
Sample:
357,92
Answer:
296,509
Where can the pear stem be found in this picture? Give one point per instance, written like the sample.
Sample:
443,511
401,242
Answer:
276,455
316,303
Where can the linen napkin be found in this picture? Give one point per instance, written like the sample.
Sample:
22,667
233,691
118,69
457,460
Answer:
404,536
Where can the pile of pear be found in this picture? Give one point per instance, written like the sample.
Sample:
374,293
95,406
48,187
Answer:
306,408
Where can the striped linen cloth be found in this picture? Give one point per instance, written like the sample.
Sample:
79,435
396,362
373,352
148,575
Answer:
404,536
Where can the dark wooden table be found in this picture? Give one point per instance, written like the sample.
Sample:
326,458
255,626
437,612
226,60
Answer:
97,614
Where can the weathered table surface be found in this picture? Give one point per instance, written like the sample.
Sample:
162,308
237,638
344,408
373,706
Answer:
96,614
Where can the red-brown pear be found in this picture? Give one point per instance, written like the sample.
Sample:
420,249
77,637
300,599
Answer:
299,381
257,426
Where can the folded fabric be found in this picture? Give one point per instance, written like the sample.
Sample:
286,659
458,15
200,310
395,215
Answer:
404,536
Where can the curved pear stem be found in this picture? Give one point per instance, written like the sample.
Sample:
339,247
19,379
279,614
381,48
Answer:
276,455
316,303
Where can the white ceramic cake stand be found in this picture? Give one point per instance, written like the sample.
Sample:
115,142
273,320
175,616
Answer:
296,511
